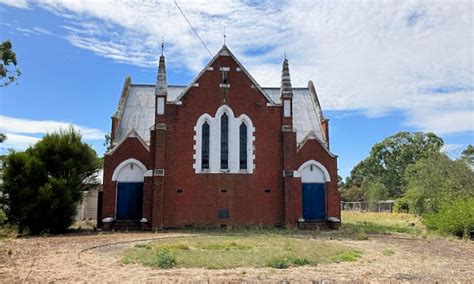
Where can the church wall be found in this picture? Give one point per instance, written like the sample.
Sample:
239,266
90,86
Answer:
195,199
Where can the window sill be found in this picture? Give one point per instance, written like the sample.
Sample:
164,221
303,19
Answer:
227,86
240,172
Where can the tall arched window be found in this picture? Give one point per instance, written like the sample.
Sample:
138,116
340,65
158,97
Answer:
224,142
205,146
243,146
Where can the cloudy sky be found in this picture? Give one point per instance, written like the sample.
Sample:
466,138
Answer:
379,66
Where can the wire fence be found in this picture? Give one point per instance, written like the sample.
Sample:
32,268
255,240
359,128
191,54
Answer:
366,206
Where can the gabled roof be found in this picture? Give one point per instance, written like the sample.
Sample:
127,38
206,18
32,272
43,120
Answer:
138,111
224,52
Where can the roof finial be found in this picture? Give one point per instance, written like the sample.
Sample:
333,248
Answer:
284,55
224,36
162,45
286,90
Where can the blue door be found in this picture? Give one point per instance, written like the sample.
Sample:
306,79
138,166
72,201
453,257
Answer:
129,200
314,201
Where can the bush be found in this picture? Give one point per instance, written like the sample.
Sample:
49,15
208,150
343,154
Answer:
164,259
44,184
401,205
455,217
280,263
300,261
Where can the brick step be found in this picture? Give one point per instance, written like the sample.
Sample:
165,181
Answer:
318,225
127,225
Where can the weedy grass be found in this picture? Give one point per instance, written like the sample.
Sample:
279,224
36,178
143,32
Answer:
221,252
381,223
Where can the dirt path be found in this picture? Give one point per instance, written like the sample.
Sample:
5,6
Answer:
59,258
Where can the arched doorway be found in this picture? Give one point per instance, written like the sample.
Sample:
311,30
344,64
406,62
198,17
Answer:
129,194
314,177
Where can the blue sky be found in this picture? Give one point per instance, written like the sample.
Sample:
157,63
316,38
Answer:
379,68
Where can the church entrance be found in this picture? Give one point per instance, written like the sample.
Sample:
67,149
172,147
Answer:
129,200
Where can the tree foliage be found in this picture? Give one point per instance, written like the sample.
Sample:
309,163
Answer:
45,183
436,180
454,217
3,137
389,159
467,155
9,71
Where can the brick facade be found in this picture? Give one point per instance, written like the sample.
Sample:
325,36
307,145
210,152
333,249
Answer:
271,195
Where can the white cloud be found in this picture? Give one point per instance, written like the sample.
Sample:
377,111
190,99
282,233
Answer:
17,142
15,128
412,56
15,3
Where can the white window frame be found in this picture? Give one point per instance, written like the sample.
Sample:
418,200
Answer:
215,142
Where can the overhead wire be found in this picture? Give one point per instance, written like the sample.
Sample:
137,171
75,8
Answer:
194,30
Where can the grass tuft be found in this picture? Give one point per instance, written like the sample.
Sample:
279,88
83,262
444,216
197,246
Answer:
388,252
163,259
351,255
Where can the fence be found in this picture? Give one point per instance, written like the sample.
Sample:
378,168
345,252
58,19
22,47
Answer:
376,206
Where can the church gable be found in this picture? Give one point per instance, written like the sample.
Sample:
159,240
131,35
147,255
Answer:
224,72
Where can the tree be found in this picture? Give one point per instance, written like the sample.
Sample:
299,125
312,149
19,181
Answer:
3,137
389,159
468,156
436,180
9,71
44,184
352,193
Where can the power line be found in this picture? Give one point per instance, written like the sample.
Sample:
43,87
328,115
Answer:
189,23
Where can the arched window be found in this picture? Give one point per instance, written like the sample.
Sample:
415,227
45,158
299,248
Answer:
224,142
205,146
243,146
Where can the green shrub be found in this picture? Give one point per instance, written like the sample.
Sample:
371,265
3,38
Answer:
163,259
455,217
401,205
300,261
44,184
280,263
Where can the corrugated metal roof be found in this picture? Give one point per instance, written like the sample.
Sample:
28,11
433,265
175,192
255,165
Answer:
138,113
305,115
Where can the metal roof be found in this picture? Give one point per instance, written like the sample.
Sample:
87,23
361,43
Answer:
138,111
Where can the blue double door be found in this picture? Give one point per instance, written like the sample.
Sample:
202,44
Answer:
314,201
129,200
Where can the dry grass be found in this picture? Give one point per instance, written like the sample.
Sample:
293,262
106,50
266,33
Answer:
215,252
382,223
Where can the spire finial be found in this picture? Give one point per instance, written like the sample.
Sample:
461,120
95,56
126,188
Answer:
284,55
286,90
162,45
224,36
161,87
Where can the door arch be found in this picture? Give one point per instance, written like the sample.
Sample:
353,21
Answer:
129,191
314,177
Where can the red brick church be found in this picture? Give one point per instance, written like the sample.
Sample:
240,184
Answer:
221,151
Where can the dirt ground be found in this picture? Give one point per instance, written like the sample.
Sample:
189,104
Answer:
82,257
